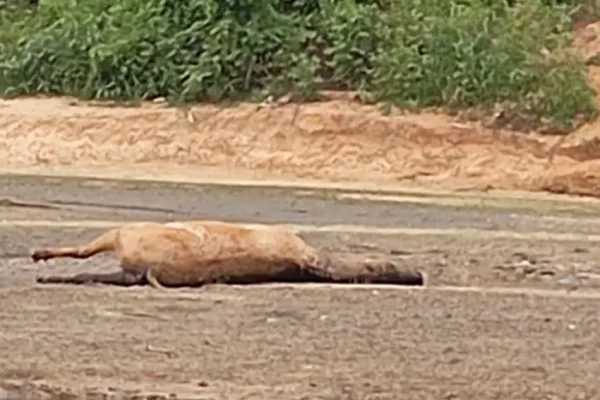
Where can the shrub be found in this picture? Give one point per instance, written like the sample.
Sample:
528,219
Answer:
475,54
456,53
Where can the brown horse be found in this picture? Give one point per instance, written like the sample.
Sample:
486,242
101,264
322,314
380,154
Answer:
195,253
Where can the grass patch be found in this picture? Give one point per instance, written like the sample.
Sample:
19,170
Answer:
412,53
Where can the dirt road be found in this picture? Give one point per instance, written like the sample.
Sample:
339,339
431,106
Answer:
283,342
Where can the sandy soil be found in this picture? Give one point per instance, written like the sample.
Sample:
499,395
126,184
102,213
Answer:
303,342
334,140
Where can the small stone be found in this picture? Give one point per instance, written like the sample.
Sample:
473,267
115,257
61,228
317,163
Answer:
546,272
524,264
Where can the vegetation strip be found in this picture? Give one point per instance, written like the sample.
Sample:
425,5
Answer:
511,55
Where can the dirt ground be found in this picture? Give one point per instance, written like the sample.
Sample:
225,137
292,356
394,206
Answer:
510,306
334,140
304,341
294,343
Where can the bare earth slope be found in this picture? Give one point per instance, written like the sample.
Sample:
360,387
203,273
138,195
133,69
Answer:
336,140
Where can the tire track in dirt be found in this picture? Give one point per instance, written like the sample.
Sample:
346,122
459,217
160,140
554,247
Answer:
184,294
67,199
357,191
373,230
183,176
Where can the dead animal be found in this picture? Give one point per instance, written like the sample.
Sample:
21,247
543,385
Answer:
196,253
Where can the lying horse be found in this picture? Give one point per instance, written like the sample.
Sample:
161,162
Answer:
196,253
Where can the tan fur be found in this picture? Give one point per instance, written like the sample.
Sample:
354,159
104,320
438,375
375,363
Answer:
194,253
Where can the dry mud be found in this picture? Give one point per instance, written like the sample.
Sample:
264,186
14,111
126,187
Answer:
302,342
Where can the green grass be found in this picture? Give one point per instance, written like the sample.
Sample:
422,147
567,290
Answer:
413,53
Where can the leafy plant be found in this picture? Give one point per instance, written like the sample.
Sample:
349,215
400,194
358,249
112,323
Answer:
469,53
456,53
